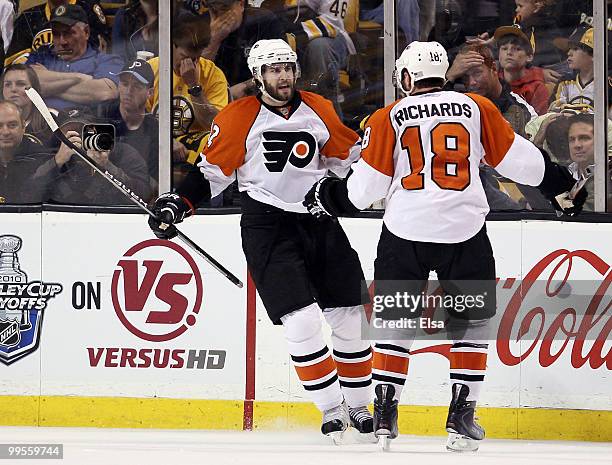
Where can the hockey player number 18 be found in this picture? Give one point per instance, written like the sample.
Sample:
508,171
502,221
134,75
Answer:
450,164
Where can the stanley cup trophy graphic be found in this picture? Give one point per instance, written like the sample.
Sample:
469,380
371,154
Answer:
10,273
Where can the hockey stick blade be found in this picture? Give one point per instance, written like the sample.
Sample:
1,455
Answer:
40,105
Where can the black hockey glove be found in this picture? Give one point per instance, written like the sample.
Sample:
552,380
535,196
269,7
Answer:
560,187
328,197
313,200
570,203
169,209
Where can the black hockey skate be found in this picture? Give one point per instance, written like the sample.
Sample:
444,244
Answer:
363,422
464,432
385,415
335,422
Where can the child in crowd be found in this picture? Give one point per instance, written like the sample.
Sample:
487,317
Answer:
579,89
515,57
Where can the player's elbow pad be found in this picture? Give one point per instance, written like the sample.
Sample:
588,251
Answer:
195,187
334,197
557,179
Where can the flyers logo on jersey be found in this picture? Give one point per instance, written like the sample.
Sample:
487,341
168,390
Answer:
298,148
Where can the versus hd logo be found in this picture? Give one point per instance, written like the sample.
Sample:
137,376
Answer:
157,295
22,304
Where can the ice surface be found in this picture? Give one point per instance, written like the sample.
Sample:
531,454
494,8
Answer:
90,446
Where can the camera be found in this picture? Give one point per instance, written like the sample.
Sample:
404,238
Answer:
100,137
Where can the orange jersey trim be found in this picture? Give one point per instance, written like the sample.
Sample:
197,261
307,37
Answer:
226,146
379,141
496,133
341,138
316,371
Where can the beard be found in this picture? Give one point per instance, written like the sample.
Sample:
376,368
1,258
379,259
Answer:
276,94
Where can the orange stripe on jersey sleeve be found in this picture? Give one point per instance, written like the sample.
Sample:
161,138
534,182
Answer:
378,143
468,360
388,362
341,138
226,146
316,371
496,133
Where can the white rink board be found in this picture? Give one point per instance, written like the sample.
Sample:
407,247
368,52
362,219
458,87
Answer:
518,247
87,248
78,343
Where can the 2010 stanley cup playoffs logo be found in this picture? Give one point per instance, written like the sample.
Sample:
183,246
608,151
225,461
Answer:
22,303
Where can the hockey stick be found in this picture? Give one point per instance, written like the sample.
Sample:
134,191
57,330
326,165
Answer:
132,196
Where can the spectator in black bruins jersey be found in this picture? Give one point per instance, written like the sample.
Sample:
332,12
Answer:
71,72
13,83
23,177
33,31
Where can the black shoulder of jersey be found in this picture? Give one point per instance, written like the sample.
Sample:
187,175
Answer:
35,10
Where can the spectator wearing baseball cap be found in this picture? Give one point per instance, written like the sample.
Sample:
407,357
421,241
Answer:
32,30
515,55
133,125
581,88
66,69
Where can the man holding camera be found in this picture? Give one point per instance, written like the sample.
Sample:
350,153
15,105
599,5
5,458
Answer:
77,183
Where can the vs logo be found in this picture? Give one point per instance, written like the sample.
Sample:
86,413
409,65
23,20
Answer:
298,148
157,299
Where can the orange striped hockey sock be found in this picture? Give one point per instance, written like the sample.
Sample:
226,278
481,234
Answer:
352,354
468,365
311,357
390,364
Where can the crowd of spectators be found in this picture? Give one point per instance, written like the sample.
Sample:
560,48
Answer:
537,67
95,65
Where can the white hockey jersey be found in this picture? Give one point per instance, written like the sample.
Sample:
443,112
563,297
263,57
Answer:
422,153
277,158
575,92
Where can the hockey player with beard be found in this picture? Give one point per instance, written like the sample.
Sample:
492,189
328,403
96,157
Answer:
422,154
277,144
